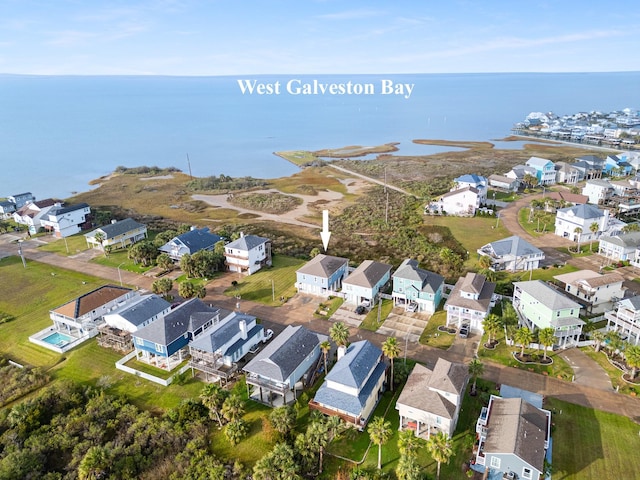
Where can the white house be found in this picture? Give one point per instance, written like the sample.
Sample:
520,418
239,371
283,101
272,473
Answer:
141,311
502,182
518,172
117,234
513,438
31,214
598,190
354,385
248,254
322,274
581,217
513,254
567,173
478,182
365,282
625,319
620,247
595,291
462,202
66,221
470,301
431,399
545,170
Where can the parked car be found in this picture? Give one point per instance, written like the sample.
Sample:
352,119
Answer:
254,349
464,331
268,333
412,307
366,303
360,310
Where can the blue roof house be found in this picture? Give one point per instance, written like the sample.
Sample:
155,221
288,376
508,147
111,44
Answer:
276,370
353,386
415,288
217,351
163,342
616,166
190,242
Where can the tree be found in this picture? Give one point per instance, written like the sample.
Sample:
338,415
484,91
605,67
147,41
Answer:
144,252
213,397
236,430
523,337
278,464
162,286
631,227
408,443
440,448
391,350
191,290
408,469
100,238
339,333
283,420
598,337
492,325
164,262
317,437
613,342
484,261
578,232
379,432
594,227
476,368
546,337
95,464
632,356
314,252
489,274
232,408
326,348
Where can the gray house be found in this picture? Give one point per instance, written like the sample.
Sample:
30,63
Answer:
513,437
353,386
190,242
275,371
513,254
322,274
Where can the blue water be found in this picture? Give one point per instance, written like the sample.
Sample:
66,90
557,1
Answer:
58,339
58,133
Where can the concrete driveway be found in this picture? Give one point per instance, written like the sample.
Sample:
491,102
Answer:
587,371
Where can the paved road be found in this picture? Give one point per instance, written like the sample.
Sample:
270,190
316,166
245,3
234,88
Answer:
299,311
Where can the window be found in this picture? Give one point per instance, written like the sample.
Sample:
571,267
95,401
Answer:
495,462
526,473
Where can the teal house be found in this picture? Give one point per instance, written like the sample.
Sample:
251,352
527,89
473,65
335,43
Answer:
416,289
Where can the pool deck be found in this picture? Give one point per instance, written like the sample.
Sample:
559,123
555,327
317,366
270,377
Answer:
39,339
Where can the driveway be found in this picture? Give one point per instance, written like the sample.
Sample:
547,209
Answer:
587,371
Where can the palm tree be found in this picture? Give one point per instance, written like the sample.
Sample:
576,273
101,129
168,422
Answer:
440,448
391,350
283,420
408,469
233,407
632,356
613,341
523,337
598,337
484,261
546,337
492,325
326,348
95,464
476,368
578,232
594,227
339,333
408,443
213,397
379,432
100,238
318,438
278,464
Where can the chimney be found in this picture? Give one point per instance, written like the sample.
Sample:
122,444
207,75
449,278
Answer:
113,221
241,234
342,350
243,329
193,227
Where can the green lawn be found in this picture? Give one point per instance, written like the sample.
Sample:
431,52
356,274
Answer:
371,322
592,445
120,259
614,374
538,224
329,307
432,336
66,246
269,283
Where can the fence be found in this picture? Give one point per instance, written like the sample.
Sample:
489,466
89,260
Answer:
120,365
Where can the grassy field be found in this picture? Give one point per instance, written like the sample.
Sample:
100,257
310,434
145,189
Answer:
260,286
329,307
592,445
435,338
370,321
66,246
541,223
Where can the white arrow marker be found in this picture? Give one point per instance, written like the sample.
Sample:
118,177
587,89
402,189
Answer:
325,234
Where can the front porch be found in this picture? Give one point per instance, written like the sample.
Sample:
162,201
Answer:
212,365
167,363
268,392
421,429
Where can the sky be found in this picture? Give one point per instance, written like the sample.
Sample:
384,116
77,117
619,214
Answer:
230,37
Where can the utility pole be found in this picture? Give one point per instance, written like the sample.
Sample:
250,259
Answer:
273,291
189,164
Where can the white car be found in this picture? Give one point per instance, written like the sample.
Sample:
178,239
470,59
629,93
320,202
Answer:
412,307
268,333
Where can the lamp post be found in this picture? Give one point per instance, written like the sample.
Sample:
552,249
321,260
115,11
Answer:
119,273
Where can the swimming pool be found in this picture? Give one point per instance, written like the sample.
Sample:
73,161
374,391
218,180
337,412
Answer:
58,339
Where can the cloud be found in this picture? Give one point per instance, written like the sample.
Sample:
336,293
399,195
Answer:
352,14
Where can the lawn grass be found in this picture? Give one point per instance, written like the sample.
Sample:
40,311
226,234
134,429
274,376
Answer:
472,233
259,287
120,259
590,444
371,322
432,336
544,274
542,222
66,246
329,307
